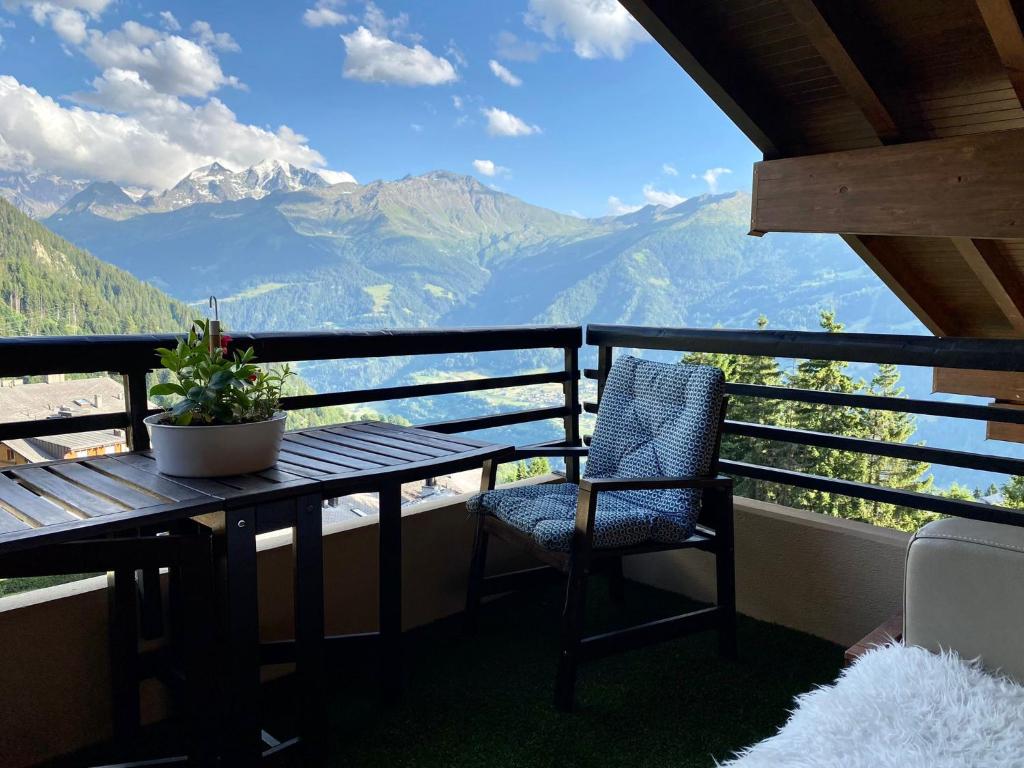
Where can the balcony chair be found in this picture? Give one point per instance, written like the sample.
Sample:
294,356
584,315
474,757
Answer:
650,485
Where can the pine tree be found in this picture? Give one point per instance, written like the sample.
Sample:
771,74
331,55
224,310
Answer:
893,427
1013,492
827,376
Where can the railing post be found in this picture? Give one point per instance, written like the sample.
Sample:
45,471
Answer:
571,421
604,367
136,404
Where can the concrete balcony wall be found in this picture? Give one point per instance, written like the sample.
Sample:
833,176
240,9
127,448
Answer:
832,578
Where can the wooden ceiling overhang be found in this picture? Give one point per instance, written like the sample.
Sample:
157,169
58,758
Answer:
897,124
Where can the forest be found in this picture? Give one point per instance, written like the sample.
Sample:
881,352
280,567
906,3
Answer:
887,426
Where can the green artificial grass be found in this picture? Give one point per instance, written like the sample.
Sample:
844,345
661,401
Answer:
486,702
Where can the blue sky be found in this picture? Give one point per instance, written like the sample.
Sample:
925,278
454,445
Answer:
565,103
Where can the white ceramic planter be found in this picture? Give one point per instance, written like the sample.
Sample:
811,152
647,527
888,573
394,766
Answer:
215,451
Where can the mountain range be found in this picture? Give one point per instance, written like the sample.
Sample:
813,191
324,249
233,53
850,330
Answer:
283,249
41,195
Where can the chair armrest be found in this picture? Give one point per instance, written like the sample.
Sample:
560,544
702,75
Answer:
598,484
529,452
590,488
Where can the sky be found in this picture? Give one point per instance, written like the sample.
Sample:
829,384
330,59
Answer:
568,104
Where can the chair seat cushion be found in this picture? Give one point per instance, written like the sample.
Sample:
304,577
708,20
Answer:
548,512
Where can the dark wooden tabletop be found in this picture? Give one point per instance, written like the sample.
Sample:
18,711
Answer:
83,498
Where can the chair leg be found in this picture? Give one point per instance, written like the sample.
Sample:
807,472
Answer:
572,630
477,567
725,557
616,581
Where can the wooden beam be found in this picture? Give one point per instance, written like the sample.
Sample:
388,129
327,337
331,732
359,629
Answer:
829,47
999,277
1004,29
710,65
997,430
917,297
998,385
966,186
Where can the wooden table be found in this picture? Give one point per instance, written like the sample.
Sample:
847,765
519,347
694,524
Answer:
75,500
100,514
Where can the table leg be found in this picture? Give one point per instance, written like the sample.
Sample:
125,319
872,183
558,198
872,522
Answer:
124,652
307,548
390,561
242,746
194,577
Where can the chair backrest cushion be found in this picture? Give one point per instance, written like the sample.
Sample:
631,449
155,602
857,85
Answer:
657,420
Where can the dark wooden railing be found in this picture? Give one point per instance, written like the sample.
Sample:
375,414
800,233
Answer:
979,354
133,358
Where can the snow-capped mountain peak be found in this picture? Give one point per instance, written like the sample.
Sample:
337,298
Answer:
273,175
41,195
215,183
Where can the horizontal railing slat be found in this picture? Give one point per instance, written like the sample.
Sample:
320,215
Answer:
452,426
907,451
20,430
38,355
421,390
926,351
900,404
924,501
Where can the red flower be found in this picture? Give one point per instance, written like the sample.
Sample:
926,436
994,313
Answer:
253,377
224,341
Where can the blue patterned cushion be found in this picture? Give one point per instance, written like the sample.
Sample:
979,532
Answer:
655,420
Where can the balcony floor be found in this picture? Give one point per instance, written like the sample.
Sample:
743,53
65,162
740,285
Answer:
486,702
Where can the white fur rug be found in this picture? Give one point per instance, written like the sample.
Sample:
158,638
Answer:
904,707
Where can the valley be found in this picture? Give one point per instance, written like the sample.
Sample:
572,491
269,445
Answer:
285,250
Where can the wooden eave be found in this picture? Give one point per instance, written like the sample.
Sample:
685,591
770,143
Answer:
898,125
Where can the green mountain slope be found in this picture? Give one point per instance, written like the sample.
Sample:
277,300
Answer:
445,249
48,286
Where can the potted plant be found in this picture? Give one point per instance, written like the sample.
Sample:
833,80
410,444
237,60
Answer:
227,420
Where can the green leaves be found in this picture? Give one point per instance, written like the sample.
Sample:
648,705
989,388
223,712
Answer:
216,388
168,388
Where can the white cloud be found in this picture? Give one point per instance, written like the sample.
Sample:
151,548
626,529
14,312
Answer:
662,197
1,41
69,25
67,17
456,54
669,170
324,14
205,36
711,177
377,59
502,123
504,74
91,7
154,147
457,102
336,177
416,127
618,208
169,21
378,23
511,47
597,28
170,63
489,168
